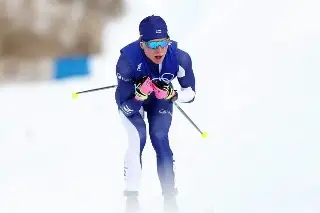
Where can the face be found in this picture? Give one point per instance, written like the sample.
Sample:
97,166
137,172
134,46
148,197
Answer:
155,55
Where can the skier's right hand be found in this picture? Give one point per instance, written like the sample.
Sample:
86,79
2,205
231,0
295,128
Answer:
143,88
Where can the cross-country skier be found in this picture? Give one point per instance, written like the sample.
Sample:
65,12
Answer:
144,71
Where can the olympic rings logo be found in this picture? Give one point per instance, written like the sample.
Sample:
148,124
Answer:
165,77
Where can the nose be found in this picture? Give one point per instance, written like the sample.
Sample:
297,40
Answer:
159,49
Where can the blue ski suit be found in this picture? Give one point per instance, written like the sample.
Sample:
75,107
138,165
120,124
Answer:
132,65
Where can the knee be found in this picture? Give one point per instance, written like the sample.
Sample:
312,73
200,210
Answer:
137,140
142,137
160,143
158,135
136,136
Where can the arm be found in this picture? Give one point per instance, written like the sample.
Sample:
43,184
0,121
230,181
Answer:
186,78
125,92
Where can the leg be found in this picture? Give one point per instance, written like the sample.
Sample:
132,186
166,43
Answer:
136,131
159,117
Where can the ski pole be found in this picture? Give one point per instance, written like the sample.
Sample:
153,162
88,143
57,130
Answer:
203,134
75,94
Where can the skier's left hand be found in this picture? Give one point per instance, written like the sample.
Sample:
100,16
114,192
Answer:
164,91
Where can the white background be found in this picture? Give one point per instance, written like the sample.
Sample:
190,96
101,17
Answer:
257,72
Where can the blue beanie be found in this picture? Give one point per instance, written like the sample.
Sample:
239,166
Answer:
153,27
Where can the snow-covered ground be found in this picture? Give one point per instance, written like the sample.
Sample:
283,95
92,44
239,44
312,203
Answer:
257,66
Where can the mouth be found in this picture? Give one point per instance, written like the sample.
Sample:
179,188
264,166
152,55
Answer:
158,57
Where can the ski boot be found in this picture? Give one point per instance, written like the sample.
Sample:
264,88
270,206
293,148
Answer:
132,202
170,203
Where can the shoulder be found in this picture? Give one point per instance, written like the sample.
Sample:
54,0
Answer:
181,54
123,67
129,54
184,58
130,48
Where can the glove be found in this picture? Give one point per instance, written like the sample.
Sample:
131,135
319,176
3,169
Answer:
164,91
143,89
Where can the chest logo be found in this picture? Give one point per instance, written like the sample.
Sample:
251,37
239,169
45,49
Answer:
165,77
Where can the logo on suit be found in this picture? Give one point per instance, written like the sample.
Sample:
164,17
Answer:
165,77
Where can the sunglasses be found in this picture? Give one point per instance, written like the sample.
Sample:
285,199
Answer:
155,44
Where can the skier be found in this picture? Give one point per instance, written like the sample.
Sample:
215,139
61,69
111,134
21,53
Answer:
144,73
